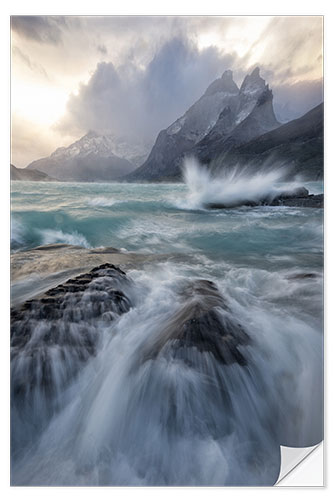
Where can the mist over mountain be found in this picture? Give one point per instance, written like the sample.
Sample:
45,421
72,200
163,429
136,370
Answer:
223,117
226,126
252,116
92,158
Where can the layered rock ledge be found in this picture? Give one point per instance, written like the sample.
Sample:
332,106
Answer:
52,336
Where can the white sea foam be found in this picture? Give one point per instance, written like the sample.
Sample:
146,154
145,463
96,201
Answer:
232,187
50,236
166,422
162,421
102,202
16,232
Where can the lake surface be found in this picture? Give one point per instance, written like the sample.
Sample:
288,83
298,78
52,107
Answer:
268,264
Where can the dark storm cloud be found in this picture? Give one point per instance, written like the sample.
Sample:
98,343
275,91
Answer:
45,29
139,102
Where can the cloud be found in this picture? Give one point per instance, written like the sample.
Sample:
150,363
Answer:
102,49
45,29
30,141
25,59
138,102
290,49
140,73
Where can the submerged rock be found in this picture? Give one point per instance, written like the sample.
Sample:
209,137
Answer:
204,321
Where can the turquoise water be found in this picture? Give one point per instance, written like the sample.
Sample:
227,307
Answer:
149,218
126,423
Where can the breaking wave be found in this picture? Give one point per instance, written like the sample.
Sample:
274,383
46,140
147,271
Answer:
230,188
50,236
16,233
128,383
144,396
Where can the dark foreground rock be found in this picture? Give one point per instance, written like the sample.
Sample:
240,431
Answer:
54,335
204,322
299,197
307,201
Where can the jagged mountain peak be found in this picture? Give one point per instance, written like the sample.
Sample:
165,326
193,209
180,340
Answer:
256,72
90,158
224,84
94,157
105,145
253,82
90,143
227,75
224,113
253,91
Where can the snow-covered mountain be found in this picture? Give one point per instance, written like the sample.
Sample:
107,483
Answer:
202,116
251,116
224,113
94,157
219,125
188,130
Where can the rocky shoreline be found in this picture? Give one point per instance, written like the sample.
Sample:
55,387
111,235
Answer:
299,197
67,318
35,271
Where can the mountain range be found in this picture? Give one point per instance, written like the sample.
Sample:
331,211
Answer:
92,158
22,174
227,126
297,145
224,115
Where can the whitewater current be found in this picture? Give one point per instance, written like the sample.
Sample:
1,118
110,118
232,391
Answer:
180,417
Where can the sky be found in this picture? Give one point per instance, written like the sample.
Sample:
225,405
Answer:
133,76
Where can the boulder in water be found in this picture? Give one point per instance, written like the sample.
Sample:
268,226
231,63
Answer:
204,322
298,197
54,335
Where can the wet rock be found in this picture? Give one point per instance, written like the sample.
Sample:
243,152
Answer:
54,335
299,192
298,197
204,322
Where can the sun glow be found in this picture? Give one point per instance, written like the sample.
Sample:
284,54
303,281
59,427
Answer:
40,104
208,39
233,39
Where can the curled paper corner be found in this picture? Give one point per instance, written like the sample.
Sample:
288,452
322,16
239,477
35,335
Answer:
292,459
